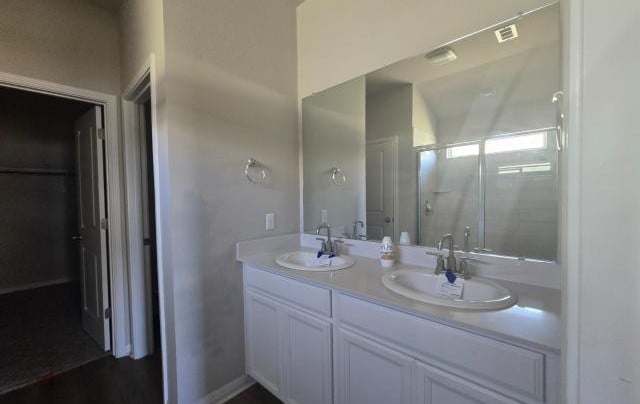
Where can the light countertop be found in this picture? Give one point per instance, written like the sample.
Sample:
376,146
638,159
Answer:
534,321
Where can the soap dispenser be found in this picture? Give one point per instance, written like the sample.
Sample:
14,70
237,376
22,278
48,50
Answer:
387,253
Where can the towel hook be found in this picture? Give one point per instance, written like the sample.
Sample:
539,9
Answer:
255,172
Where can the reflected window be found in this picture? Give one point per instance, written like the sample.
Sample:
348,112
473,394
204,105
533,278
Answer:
463,151
531,141
505,144
525,168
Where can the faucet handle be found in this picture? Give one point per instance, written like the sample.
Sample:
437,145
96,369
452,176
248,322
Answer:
463,267
334,247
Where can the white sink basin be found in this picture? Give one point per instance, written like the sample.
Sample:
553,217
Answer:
307,261
478,293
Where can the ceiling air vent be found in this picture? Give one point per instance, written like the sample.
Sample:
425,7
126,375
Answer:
506,33
441,56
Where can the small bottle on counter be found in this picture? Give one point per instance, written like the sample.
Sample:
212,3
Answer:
387,253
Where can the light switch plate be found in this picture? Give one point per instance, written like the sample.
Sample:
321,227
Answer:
323,216
270,221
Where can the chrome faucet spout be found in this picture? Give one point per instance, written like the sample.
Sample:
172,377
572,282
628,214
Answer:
451,259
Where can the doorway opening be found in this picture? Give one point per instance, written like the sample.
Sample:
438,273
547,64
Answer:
147,300
54,279
147,186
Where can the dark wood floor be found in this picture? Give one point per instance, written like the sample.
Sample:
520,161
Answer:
107,380
113,381
255,394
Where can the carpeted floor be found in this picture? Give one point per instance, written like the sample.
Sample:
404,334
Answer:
41,335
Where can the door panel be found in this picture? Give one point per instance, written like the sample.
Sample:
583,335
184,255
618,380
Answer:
381,173
307,358
263,342
93,242
369,373
433,386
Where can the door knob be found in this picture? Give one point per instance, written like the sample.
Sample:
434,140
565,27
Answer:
76,238
388,219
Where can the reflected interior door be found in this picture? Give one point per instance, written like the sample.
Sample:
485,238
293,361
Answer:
93,241
381,188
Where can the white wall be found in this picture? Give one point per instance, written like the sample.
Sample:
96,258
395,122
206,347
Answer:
603,262
425,123
69,42
231,94
339,40
334,137
141,34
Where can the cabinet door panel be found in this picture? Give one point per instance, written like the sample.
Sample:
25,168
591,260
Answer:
369,373
262,339
307,358
433,386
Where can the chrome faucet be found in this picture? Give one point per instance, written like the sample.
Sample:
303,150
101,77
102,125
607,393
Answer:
329,246
450,263
355,234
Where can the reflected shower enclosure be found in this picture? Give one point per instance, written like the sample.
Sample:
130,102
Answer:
497,194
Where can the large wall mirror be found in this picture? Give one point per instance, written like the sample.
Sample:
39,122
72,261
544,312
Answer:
461,139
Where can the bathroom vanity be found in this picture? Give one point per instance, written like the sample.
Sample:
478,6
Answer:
341,336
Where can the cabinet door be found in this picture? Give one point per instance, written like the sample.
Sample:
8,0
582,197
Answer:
433,386
306,358
369,373
262,341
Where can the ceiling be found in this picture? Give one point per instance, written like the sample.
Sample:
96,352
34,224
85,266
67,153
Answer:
529,62
113,5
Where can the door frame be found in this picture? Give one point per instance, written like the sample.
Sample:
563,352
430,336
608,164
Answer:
394,140
116,250
143,85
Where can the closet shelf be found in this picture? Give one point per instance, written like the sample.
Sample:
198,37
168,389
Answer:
36,171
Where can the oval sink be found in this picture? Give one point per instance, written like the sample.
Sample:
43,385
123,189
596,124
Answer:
308,261
478,293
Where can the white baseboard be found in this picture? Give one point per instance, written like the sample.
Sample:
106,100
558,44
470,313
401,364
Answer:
35,285
228,391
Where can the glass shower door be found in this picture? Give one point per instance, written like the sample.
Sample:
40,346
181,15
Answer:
521,212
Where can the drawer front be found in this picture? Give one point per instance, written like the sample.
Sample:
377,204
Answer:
516,371
299,294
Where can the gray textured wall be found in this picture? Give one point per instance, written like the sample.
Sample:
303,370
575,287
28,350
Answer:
231,95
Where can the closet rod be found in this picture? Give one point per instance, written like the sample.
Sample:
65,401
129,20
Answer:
36,171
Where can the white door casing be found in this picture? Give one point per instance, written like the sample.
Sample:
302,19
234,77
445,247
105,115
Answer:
381,168
92,222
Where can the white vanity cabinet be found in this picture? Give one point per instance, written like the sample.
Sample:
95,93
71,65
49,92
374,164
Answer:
309,344
288,350
262,340
367,372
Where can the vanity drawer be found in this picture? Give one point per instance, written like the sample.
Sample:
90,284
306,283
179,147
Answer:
516,371
299,294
